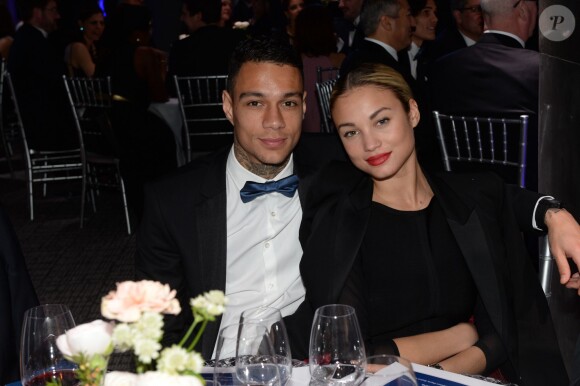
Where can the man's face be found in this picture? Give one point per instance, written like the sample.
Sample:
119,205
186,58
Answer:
401,27
49,17
469,19
350,8
266,109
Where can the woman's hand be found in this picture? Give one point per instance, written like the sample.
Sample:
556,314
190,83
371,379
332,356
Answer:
433,347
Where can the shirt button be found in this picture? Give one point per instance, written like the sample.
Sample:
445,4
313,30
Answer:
267,245
273,214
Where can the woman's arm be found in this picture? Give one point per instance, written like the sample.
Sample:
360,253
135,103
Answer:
81,58
433,347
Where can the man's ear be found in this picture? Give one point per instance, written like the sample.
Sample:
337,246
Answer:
385,22
228,106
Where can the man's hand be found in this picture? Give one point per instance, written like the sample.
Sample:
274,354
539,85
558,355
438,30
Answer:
564,237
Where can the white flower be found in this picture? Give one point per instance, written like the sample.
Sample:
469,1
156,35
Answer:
195,362
212,302
150,326
173,360
120,378
123,337
146,349
155,378
90,339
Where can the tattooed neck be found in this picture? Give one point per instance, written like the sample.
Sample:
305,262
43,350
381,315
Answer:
266,171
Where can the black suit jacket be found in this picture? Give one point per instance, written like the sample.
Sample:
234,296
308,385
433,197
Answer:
16,296
36,72
343,27
485,216
447,41
496,77
207,51
182,237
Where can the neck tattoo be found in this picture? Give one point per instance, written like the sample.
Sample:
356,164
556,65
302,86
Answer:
267,171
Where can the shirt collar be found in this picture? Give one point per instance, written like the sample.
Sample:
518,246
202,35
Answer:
389,49
241,175
519,40
468,41
43,32
413,50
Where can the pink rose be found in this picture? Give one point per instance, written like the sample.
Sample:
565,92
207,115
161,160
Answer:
133,298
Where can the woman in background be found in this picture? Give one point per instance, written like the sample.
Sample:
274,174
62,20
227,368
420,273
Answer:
315,40
81,56
292,9
226,15
418,255
6,31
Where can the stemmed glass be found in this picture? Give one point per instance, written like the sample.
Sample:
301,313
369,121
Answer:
388,369
248,348
271,318
40,359
337,349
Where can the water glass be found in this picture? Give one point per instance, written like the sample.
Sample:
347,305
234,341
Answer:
40,359
272,319
388,369
245,356
336,347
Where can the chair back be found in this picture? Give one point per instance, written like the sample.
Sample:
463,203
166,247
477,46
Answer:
200,101
91,101
326,73
323,91
490,143
10,133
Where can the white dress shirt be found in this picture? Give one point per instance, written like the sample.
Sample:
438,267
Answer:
468,41
517,38
263,251
412,52
389,49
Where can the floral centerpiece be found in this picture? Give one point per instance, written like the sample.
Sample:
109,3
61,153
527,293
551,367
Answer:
136,312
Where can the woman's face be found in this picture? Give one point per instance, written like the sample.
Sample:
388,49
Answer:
425,23
294,8
93,27
226,10
376,131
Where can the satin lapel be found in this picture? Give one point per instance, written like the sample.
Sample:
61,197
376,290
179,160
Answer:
470,236
212,238
351,228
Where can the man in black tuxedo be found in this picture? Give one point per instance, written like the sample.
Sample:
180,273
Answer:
37,71
16,296
207,49
467,29
347,26
199,234
497,75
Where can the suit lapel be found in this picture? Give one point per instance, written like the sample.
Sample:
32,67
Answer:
469,233
212,238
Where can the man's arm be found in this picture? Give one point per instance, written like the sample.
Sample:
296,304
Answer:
564,238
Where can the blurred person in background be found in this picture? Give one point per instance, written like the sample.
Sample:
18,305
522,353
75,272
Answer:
292,9
82,55
316,42
6,30
226,15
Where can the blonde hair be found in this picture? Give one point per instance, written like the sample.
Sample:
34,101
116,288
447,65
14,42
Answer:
377,75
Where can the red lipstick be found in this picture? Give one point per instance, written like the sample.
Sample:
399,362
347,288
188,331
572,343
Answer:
379,159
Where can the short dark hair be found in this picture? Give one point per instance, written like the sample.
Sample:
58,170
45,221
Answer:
86,12
25,7
262,49
416,6
457,5
211,10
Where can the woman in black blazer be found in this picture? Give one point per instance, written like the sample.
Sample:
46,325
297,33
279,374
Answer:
434,265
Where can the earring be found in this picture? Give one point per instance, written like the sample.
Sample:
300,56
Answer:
82,29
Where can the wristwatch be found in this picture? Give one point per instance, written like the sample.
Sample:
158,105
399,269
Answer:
542,209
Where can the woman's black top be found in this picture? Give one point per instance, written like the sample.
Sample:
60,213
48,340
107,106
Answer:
410,277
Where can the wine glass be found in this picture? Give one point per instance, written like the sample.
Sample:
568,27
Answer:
40,359
388,369
271,318
336,347
244,356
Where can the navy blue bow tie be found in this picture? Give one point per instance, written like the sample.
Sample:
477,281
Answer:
286,186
